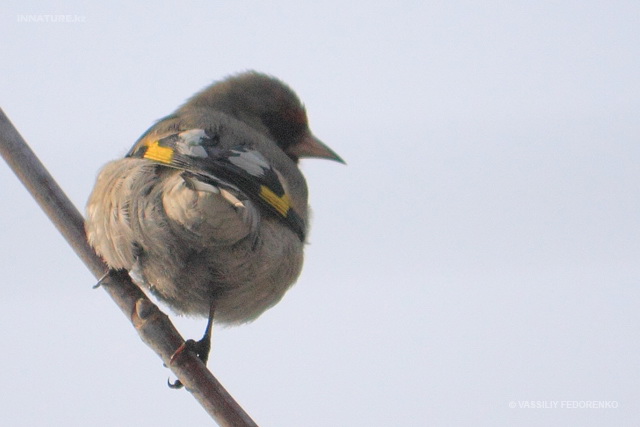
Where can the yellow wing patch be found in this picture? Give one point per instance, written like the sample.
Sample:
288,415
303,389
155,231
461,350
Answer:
281,204
159,154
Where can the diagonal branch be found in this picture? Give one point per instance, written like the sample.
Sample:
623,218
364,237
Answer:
152,325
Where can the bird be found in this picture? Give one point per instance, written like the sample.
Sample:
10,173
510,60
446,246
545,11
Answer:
208,210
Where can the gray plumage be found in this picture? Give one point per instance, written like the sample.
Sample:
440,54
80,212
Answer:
191,231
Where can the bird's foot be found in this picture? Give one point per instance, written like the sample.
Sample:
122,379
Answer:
200,348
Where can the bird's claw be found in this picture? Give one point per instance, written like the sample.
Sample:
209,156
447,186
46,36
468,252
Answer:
199,348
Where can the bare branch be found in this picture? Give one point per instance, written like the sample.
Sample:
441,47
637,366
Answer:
152,325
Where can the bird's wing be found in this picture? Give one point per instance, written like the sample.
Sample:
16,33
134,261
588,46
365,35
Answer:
241,169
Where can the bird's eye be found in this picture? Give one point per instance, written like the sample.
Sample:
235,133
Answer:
286,125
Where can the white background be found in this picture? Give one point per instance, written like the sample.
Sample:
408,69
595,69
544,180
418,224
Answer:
480,248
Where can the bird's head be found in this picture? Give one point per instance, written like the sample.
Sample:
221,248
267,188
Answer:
270,107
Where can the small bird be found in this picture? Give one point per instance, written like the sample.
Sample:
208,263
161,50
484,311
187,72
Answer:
209,209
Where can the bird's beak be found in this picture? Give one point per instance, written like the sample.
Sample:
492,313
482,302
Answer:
310,146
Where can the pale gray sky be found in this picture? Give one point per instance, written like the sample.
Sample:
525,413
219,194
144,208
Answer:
479,251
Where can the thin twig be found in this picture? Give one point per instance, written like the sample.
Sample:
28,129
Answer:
152,325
